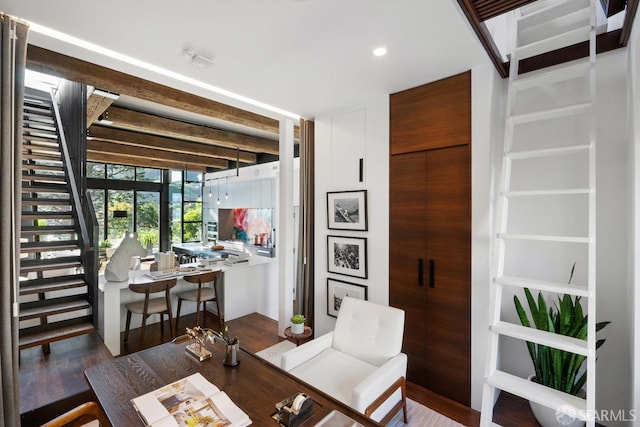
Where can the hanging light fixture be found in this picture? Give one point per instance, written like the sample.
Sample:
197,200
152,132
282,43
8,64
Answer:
218,201
226,193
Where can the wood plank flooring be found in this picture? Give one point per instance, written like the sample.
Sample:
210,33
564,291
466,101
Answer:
50,385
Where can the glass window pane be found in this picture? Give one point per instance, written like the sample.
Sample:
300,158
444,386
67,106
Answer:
120,172
193,176
192,192
97,197
148,218
192,231
193,212
148,175
175,222
176,176
120,219
175,193
95,170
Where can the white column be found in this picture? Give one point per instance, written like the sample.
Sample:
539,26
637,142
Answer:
284,232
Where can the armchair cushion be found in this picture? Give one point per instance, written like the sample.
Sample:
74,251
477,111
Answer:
301,354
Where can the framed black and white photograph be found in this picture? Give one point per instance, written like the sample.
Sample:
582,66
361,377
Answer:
347,255
347,210
337,290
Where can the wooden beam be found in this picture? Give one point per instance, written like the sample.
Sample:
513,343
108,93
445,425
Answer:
155,142
148,153
167,127
98,156
96,105
54,63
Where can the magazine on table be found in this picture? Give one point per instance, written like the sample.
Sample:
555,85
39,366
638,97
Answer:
193,402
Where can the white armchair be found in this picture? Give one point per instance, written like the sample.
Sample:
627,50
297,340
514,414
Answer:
360,363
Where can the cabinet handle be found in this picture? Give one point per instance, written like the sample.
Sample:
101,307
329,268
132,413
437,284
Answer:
361,172
432,273
420,272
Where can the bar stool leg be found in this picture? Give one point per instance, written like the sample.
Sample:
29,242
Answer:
126,330
162,324
178,313
144,323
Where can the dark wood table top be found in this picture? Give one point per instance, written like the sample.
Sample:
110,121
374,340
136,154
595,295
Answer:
254,385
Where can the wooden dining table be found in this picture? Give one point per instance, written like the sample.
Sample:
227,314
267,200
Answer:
254,385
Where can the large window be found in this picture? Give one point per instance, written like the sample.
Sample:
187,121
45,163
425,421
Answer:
185,206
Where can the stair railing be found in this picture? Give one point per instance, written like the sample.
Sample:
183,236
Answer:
75,195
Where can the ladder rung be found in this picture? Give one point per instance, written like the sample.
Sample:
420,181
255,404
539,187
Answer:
564,192
540,285
547,152
564,239
569,110
561,342
552,43
563,73
543,395
555,10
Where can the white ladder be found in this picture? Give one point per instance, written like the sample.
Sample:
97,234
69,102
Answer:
561,23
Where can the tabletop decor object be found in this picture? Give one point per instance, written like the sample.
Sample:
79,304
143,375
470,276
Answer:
197,344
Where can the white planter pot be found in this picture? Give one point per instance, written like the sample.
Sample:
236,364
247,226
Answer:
548,417
297,328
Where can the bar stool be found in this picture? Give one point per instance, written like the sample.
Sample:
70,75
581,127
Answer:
201,295
149,306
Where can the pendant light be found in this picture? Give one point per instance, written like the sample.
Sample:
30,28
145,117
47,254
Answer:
226,182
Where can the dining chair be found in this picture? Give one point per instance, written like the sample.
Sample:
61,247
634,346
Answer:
79,416
149,306
201,295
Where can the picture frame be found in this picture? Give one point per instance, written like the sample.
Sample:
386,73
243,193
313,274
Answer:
338,289
347,256
347,210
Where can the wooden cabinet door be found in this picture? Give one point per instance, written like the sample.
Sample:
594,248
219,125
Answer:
407,249
430,259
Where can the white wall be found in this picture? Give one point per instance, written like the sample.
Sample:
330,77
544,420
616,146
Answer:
376,177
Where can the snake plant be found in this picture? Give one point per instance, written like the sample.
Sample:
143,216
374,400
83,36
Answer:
555,368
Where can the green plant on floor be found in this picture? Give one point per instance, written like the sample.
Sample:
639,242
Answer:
148,236
555,368
105,244
298,318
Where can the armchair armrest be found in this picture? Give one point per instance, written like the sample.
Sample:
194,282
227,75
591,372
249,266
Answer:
306,351
369,389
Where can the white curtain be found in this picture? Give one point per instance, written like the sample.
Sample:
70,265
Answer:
13,43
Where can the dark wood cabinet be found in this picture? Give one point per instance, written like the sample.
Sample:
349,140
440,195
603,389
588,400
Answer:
430,263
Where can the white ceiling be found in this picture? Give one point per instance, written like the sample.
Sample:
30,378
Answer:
308,57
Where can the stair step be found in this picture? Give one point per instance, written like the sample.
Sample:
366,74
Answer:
37,98
42,201
569,110
39,132
29,124
35,167
534,193
545,396
40,108
40,149
38,114
538,237
553,43
563,73
45,188
552,10
51,284
49,307
547,152
52,332
46,229
59,245
46,215
540,285
33,265
537,336
43,157
35,138
41,177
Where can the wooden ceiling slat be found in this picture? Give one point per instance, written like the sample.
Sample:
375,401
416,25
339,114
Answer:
166,127
490,9
94,156
113,148
129,137
53,63
96,105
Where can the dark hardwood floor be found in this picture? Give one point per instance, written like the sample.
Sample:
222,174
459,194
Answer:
52,384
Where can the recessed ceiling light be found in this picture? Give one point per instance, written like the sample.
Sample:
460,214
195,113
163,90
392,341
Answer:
379,51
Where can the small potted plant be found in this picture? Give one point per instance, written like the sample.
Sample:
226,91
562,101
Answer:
297,324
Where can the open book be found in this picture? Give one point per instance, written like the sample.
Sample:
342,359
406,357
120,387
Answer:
192,401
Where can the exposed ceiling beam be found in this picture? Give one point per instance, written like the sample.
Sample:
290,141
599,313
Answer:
167,127
50,62
133,152
97,103
100,157
155,142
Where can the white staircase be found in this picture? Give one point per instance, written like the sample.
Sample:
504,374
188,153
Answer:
546,223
